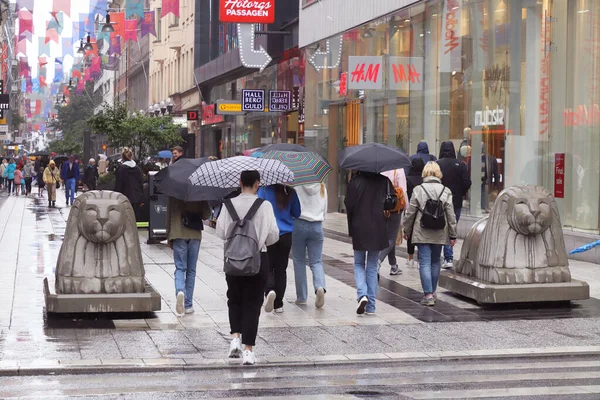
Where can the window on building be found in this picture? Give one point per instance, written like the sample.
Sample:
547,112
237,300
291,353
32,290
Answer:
173,20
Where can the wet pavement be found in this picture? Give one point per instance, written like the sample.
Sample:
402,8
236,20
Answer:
31,236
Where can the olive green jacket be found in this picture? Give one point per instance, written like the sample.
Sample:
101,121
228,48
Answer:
175,211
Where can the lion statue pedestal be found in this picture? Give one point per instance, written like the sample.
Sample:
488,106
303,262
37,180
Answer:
99,267
516,254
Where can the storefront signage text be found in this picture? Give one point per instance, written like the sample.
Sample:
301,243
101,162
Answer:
582,115
192,115
365,73
344,84
280,100
405,73
253,100
209,116
559,175
229,107
247,11
450,57
489,117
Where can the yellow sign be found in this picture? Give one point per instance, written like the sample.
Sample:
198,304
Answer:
229,107
3,121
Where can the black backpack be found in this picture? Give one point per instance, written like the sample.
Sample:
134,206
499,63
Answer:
433,215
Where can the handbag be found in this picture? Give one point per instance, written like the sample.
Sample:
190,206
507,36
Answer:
391,200
57,184
192,221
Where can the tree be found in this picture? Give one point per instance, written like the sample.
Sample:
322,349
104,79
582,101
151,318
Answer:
143,134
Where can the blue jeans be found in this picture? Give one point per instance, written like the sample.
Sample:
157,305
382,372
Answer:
70,189
448,251
307,236
365,274
429,266
185,253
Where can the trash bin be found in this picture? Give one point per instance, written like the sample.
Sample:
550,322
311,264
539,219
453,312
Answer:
157,224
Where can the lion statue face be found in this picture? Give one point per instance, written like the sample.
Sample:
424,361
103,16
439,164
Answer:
530,216
101,220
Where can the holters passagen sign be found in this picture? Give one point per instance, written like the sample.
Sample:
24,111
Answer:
247,11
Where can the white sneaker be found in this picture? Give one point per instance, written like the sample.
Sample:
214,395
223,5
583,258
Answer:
269,303
235,348
249,358
189,310
410,263
320,301
279,310
362,304
179,307
447,265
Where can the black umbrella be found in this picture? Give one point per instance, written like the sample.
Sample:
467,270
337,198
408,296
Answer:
40,154
373,157
174,181
60,159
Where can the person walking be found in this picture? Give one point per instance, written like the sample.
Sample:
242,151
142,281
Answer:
2,169
367,227
177,152
128,181
18,181
245,294
455,176
308,237
286,206
423,153
52,180
90,176
9,174
413,179
28,173
70,176
428,198
397,184
40,182
184,234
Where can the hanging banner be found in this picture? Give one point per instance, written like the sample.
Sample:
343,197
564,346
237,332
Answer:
170,6
67,47
365,72
59,75
148,24
43,47
25,22
27,4
131,30
52,35
451,37
134,9
405,73
559,175
62,5
57,22
118,22
246,12
97,7
22,47
115,46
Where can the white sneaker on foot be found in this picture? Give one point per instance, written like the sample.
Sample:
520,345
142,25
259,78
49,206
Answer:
410,263
249,358
320,301
362,304
394,270
279,310
189,310
448,265
235,348
179,307
269,303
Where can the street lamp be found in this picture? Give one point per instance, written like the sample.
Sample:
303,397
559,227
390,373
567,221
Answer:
64,100
88,45
163,107
169,106
80,50
151,110
107,27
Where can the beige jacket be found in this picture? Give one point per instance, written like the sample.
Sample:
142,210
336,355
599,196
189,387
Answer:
430,189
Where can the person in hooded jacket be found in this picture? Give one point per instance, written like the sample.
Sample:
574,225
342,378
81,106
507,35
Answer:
423,153
90,176
455,176
9,174
128,181
414,178
367,226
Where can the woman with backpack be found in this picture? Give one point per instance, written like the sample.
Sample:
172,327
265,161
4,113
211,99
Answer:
397,188
413,179
430,222
286,206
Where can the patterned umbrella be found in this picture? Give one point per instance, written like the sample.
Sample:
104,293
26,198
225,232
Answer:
308,167
226,173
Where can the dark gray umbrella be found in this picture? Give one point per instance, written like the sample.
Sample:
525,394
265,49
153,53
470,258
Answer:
174,181
373,157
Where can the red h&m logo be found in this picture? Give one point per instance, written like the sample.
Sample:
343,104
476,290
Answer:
192,115
410,74
370,75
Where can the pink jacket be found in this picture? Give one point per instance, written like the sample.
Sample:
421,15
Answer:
398,178
18,176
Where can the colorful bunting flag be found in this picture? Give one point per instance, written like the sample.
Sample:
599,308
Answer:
54,88
67,47
62,5
131,30
115,45
22,47
42,80
134,9
51,35
149,24
59,74
170,6
57,22
43,47
42,60
118,21
25,22
27,4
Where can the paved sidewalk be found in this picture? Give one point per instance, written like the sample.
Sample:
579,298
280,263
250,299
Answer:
30,238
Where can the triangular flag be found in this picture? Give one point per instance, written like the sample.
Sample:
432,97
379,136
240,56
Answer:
131,29
118,21
134,9
170,6
25,22
149,24
62,5
51,35
57,22
28,4
67,47
42,60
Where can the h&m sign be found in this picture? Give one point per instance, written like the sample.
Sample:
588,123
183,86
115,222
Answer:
403,73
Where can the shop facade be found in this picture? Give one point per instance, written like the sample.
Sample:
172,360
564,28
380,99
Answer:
514,84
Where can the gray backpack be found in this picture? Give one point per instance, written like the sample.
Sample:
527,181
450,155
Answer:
242,251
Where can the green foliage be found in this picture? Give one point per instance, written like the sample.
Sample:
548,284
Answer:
17,120
143,134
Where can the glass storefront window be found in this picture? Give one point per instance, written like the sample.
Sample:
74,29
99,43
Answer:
512,86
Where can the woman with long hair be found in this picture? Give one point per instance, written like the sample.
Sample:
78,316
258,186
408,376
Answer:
308,237
286,206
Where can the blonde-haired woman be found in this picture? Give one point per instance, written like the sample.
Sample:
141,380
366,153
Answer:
128,181
308,236
430,241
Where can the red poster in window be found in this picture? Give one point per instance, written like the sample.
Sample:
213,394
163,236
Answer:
559,175
247,11
344,84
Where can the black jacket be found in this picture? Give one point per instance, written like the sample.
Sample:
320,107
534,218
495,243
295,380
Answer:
129,182
414,176
455,173
90,176
364,204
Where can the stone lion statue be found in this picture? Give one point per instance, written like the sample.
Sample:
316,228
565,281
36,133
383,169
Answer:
101,251
521,241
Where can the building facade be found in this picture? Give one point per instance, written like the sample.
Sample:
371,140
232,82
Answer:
513,84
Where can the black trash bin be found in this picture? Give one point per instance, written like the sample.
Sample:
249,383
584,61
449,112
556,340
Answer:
157,224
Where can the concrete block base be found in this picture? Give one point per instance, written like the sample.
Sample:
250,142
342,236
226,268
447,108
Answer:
487,293
102,303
